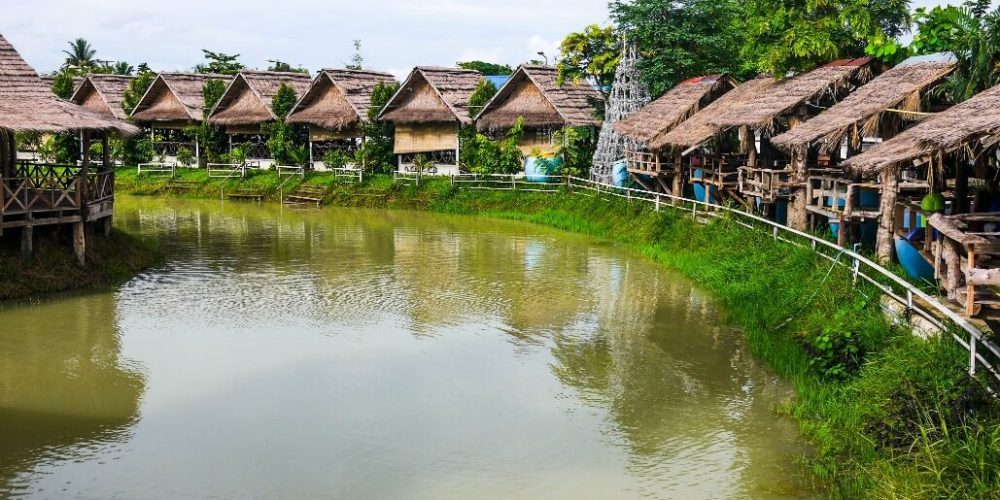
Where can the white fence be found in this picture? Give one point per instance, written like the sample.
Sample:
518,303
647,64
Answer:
157,169
227,170
983,352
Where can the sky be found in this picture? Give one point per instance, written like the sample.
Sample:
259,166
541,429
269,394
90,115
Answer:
396,34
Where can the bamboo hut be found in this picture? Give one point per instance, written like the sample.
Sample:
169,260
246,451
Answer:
660,117
754,171
172,103
33,194
951,147
534,95
875,112
334,107
103,94
246,105
428,110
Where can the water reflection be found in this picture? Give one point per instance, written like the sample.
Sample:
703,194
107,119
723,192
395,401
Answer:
65,390
380,354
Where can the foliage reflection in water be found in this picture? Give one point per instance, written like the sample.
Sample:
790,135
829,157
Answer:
382,354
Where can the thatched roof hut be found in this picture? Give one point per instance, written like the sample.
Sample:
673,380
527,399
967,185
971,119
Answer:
964,129
175,98
860,114
534,94
27,103
680,103
433,95
759,104
338,98
104,94
701,126
247,100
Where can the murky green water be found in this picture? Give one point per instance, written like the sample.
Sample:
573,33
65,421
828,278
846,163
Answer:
363,354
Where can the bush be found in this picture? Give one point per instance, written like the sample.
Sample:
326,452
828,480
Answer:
186,157
336,158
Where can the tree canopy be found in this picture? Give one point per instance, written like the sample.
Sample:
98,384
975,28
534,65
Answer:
591,54
486,68
219,63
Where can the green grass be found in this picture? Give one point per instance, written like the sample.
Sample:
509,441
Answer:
54,268
891,415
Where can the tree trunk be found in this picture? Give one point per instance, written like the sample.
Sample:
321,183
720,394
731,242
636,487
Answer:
887,220
797,214
678,175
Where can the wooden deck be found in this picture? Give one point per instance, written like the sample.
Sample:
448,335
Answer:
44,194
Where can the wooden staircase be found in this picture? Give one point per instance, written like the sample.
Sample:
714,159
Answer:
306,196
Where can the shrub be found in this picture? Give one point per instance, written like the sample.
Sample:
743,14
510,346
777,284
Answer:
186,157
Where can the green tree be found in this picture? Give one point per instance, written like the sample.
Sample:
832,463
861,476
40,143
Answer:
282,66
377,153
467,135
283,138
486,68
63,85
137,88
220,63
798,35
80,55
211,138
591,54
681,39
357,60
972,33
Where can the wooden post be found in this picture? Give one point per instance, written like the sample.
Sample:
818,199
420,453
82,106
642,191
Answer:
678,175
27,241
83,185
105,152
887,219
970,289
80,242
797,218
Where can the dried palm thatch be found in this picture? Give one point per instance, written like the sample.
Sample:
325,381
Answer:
964,129
534,94
860,114
175,98
701,126
679,104
247,100
338,98
433,95
103,94
761,110
27,103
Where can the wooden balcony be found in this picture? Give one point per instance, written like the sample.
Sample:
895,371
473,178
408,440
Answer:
839,198
647,163
966,259
44,194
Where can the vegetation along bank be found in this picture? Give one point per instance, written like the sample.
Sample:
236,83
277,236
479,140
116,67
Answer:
891,415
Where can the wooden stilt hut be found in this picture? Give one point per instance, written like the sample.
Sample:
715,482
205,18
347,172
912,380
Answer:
428,110
877,111
34,194
173,102
754,172
534,95
334,107
952,146
656,169
246,105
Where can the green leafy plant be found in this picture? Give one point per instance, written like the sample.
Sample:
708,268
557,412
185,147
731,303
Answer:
576,149
237,155
283,138
219,63
137,88
423,163
376,154
186,157
486,68
592,54
336,158
62,84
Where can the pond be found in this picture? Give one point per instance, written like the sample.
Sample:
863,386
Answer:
374,354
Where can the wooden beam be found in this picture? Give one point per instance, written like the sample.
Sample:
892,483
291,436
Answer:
641,182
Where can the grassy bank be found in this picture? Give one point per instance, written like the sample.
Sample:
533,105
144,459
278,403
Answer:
891,415
54,268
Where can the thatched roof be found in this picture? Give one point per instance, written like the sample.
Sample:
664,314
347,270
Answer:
433,95
680,103
247,100
860,113
761,109
534,94
103,94
338,98
962,129
175,97
27,103
701,126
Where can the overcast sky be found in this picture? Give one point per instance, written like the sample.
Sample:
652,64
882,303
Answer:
396,34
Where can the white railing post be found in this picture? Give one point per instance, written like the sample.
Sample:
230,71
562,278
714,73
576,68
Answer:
972,355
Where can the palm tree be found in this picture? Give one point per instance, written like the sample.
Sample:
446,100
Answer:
80,54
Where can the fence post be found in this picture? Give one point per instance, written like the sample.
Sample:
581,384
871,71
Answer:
694,211
972,355
909,304
775,232
657,202
857,266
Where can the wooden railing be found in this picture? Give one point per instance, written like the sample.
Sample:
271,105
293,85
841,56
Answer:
39,189
839,197
645,162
